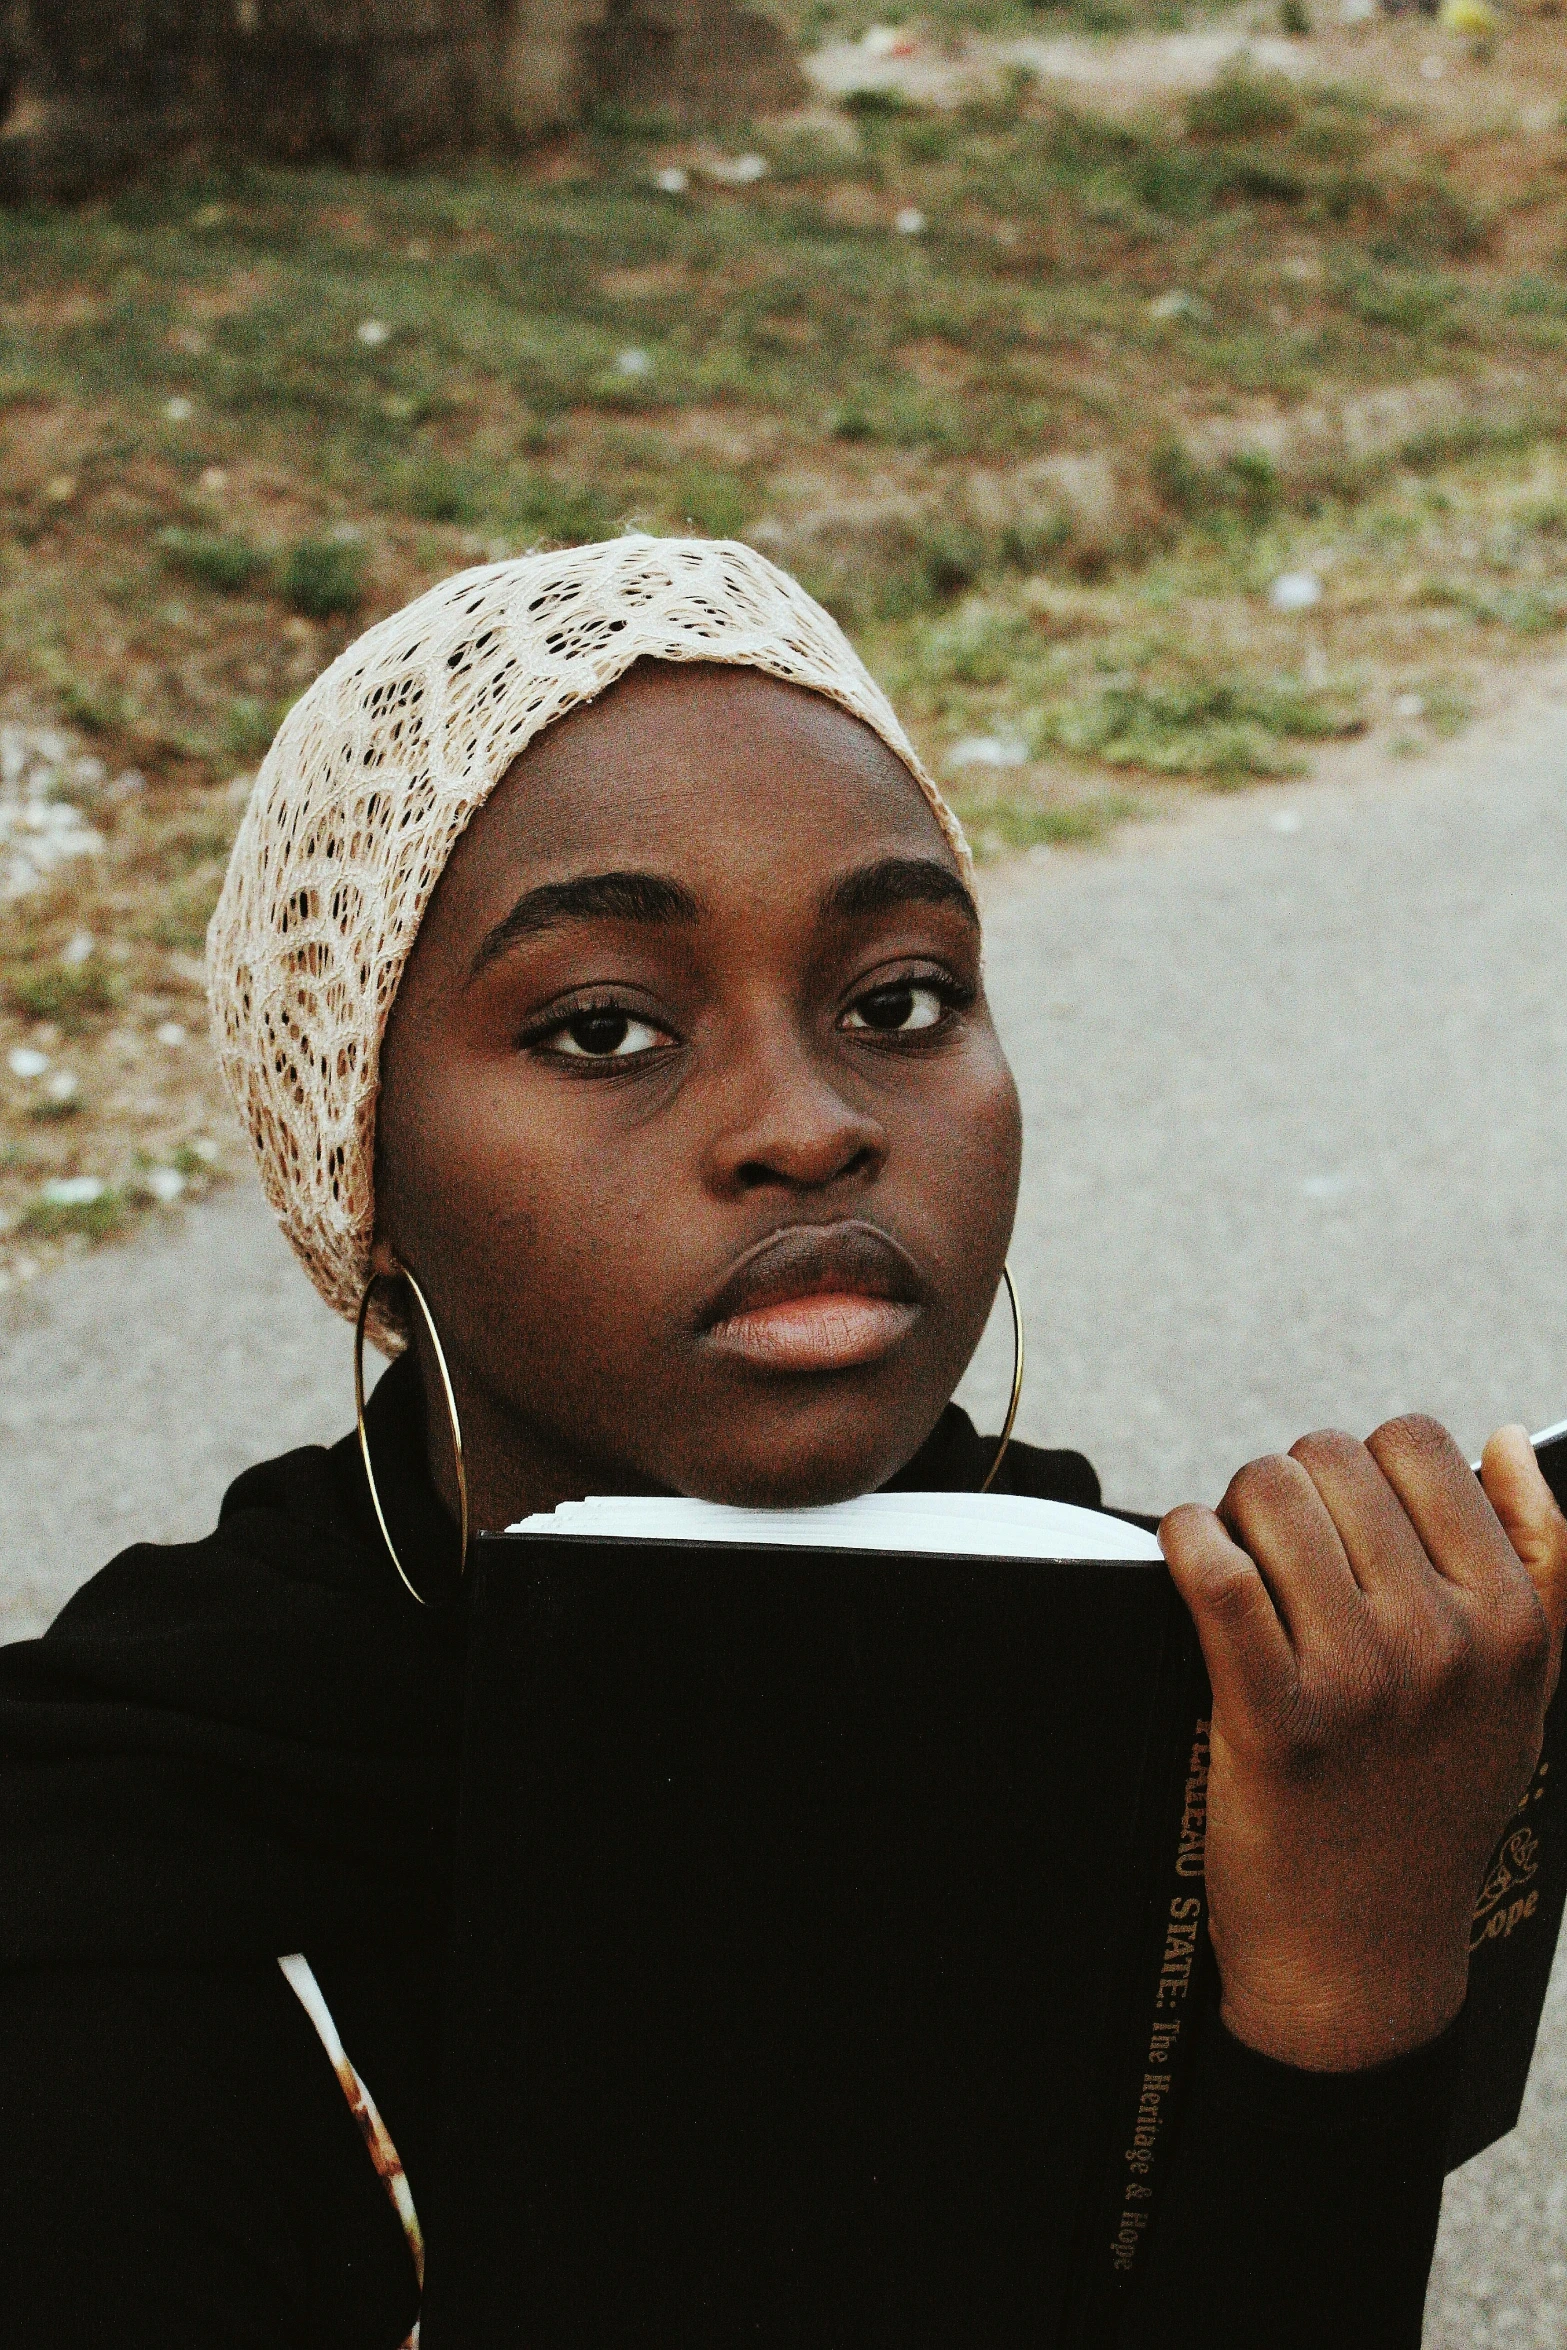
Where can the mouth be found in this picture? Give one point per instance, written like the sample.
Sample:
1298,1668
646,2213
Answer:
831,1297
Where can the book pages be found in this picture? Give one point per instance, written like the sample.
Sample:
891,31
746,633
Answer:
970,1525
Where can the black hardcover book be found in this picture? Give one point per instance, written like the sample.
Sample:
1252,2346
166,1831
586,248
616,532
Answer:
830,1940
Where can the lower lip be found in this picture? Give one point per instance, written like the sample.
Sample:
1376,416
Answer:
833,1333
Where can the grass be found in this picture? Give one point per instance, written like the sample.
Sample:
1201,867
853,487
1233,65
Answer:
323,577
1043,454
212,558
99,1218
70,994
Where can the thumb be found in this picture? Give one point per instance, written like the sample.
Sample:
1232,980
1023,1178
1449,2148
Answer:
1516,1489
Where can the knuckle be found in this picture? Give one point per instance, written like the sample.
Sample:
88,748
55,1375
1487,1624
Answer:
1324,1447
1256,1487
1448,1655
1523,1640
1315,1728
1412,1435
1232,1594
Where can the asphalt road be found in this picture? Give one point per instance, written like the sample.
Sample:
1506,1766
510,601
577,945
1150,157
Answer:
1295,1076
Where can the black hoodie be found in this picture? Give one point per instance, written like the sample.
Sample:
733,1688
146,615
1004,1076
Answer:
226,1750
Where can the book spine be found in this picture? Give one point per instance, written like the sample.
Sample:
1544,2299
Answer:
1170,1986
1512,1943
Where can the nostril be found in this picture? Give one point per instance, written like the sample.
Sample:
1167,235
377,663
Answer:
778,1174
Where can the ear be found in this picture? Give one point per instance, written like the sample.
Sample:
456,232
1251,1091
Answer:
383,1257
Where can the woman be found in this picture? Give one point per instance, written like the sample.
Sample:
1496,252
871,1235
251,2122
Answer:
598,978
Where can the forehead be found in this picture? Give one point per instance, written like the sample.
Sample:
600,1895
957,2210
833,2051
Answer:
701,771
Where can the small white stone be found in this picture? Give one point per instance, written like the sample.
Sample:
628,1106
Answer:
169,1032
179,410
1433,67
910,222
889,40
1177,303
1410,706
61,1087
165,1184
74,1191
988,750
1295,591
737,171
634,363
373,332
205,1149
78,948
672,181
1357,11
27,1064
214,481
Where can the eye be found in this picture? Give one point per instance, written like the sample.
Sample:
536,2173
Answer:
603,1032
900,1008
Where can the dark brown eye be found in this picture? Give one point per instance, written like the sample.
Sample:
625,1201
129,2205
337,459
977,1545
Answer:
897,1010
604,1033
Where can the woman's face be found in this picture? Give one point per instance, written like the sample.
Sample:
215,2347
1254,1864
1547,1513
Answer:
693,1124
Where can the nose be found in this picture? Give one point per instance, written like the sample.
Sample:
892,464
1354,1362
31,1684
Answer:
782,1117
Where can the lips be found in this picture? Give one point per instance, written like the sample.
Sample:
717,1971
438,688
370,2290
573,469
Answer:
815,1298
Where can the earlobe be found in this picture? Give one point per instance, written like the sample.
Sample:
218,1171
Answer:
384,1260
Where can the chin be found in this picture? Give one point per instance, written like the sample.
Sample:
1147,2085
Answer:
794,1467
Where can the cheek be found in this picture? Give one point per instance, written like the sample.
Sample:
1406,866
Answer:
964,1165
534,1225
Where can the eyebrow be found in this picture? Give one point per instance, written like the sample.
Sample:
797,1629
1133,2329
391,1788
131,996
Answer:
590,897
898,881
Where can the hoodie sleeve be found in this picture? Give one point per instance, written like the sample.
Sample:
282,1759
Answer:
1301,2207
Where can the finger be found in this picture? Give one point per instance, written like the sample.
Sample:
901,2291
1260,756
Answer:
1276,1514
1385,1554
1446,1505
1533,1523
1244,1646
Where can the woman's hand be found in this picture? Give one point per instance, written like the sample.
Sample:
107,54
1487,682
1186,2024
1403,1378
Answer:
1383,1638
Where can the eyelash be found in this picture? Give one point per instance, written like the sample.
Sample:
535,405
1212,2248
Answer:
952,996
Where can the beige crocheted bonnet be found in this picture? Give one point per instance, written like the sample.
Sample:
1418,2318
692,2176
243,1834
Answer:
363,795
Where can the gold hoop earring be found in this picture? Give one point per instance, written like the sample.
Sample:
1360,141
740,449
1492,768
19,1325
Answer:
1017,1376
451,1413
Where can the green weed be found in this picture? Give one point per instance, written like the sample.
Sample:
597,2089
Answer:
997,825
1243,105
216,559
249,723
187,909
98,1218
1223,729
70,993
1246,485
322,577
